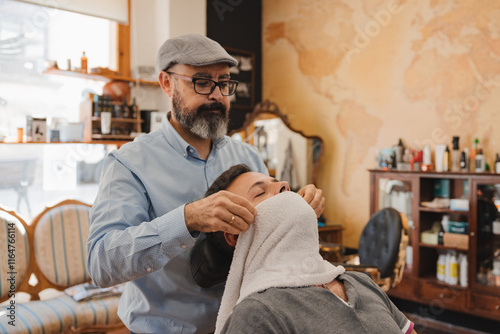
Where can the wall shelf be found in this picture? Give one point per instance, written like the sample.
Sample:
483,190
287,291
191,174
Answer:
100,77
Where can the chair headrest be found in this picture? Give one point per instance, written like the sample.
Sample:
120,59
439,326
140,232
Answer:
379,242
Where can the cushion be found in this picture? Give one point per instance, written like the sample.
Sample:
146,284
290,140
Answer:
57,315
14,250
60,244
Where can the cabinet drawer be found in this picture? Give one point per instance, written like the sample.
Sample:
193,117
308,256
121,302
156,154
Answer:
444,295
405,289
486,303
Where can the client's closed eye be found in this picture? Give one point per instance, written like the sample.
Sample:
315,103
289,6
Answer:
262,193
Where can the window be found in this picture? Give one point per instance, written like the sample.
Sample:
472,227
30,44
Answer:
30,37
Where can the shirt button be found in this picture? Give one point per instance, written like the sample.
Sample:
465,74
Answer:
183,246
148,270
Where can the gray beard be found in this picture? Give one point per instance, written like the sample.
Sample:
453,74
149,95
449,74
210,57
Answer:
200,122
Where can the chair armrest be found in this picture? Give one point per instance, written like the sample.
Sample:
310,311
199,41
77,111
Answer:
372,271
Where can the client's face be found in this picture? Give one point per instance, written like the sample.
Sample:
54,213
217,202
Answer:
257,187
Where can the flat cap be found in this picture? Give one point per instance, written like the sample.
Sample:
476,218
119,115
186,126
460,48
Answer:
192,49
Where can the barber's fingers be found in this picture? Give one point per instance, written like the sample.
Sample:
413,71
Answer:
240,207
314,197
320,207
215,212
308,192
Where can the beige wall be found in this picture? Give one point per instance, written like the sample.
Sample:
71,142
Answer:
362,74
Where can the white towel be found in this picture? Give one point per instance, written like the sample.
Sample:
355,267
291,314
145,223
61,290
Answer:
280,249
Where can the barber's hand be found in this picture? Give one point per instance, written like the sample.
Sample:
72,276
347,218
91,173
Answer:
216,212
314,197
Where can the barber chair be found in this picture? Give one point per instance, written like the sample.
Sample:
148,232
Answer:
381,250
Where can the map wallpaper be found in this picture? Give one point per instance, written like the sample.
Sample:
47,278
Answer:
362,74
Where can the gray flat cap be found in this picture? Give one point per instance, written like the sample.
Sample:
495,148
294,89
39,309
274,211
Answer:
192,49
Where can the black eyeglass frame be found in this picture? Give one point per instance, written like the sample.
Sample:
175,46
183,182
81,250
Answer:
215,83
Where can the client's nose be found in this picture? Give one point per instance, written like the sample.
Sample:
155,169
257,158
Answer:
284,186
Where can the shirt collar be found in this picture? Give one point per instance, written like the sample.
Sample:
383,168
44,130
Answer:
179,144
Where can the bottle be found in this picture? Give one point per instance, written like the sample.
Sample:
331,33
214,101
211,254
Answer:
440,235
497,164
463,164
399,149
453,265
83,64
472,156
426,161
447,268
133,109
125,109
496,268
446,159
463,271
467,159
455,156
480,163
440,270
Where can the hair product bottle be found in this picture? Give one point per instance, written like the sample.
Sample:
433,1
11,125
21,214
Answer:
83,64
446,159
440,270
453,269
480,163
463,270
455,156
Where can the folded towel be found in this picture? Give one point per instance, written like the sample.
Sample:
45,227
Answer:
280,249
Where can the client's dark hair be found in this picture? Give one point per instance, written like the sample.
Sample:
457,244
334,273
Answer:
221,183
226,178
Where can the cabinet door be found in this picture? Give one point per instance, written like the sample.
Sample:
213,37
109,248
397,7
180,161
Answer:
487,232
396,191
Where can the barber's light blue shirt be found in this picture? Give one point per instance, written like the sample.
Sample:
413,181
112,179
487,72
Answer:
138,233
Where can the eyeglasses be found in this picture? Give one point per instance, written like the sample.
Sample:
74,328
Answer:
205,86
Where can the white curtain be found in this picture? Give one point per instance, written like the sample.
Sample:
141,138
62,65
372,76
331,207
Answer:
115,10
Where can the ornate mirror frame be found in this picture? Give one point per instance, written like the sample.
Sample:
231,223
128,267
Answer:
269,110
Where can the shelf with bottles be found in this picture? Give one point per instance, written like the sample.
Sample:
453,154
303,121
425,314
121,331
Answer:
123,120
449,267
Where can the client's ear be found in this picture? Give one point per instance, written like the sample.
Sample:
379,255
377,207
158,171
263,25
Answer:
231,239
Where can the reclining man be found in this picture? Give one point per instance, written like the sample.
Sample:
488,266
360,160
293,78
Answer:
279,283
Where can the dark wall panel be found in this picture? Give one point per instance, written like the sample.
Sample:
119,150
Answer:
237,24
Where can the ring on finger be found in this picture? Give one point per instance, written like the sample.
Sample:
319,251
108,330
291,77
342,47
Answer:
232,220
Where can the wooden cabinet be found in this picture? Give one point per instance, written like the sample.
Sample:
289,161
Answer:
411,192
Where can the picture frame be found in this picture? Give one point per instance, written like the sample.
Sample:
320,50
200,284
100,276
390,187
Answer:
244,73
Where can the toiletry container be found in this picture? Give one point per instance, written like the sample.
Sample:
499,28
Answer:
463,270
453,266
440,270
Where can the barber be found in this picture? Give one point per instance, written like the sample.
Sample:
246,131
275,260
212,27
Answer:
147,216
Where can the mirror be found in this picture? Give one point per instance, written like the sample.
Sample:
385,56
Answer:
288,154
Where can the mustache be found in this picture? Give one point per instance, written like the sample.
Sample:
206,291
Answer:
219,106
